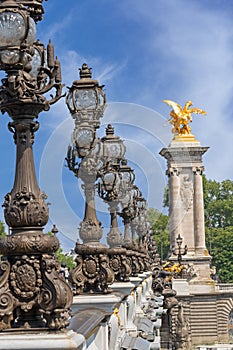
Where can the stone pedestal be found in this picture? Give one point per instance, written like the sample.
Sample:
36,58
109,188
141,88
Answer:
181,286
136,281
123,287
104,302
39,340
186,207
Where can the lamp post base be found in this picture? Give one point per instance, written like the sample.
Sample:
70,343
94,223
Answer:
32,295
119,264
93,273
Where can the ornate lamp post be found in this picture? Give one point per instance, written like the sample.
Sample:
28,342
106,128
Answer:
31,293
153,251
86,102
111,183
109,187
141,226
129,216
179,251
134,194
111,191
127,213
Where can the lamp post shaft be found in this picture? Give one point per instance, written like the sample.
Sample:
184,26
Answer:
25,207
90,211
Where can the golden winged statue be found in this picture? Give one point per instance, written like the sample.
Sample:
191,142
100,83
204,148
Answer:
180,117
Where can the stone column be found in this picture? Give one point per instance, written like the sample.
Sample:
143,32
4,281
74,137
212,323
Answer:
199,219
174,204
186,206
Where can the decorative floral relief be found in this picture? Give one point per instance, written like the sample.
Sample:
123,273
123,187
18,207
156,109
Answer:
25,244
24,209
25,277
29,285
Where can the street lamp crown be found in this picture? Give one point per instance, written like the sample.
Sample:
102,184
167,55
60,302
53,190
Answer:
85,72
179,240
110,131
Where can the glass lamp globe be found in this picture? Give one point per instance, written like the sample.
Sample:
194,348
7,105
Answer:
127,174
113,146
15,28
125,198
38,59
85,99
83,139
140,203
134,192
111,181
36,63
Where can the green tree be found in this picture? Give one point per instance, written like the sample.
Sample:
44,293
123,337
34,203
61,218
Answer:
159,226
62,258
221,245
218,202
2,232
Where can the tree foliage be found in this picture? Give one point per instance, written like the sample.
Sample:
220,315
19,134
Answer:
218,202
159,226
62,258
2,231
220,241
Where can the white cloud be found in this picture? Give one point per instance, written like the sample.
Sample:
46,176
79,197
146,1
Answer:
188,50
192,46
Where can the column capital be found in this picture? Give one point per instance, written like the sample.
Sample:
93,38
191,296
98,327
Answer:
172,171
199,170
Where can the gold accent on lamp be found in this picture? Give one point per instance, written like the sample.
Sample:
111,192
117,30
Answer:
116,313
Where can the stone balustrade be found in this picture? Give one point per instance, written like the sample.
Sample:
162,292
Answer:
129,317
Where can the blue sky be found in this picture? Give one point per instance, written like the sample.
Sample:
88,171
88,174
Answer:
144,52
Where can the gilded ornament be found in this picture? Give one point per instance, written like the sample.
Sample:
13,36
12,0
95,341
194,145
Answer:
181,117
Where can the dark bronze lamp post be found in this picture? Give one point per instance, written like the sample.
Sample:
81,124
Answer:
31,293
112,188
110,184
141,226
127,213
86,102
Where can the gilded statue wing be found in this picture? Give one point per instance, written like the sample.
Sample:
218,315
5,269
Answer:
176,107
197,111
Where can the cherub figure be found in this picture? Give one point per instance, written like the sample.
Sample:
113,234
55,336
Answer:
180,117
